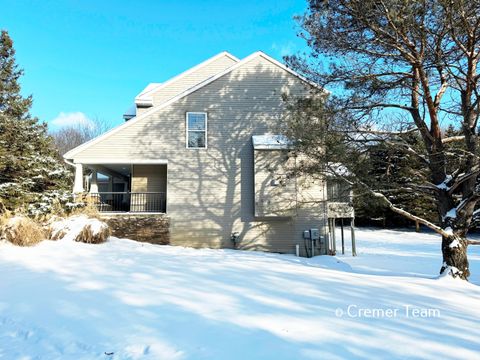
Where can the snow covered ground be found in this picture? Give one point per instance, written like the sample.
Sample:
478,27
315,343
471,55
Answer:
127,300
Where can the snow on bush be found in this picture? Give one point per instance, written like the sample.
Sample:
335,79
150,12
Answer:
54,202
79,228
22,231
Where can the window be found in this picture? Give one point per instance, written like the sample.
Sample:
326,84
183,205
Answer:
338,191
196,130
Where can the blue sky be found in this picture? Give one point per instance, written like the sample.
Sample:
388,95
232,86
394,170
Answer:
90,58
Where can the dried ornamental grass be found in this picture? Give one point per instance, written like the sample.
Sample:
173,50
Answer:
94,232
79,228
22,231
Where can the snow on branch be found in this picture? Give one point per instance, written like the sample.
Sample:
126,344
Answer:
410,216
404,213
464,177
453,139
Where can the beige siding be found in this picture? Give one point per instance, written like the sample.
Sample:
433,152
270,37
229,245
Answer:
148,179
275,183
186,82
310,212
211,191
141,110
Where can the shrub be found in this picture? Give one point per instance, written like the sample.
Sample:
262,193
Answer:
56,202
94,232
54,227
78,228
4,216
3,209
85,206
22,231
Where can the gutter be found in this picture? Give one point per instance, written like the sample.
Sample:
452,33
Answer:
69,163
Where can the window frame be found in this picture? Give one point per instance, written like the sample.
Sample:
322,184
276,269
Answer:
187,129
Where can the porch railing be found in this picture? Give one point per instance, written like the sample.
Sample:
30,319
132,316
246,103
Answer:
129,201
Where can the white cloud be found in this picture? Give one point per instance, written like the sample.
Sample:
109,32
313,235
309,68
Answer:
66,119
284,49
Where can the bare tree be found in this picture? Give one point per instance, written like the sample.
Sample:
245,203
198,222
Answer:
413,64
69,137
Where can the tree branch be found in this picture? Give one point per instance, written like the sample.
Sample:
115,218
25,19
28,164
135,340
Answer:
453,139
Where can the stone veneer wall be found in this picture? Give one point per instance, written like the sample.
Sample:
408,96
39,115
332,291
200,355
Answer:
151,228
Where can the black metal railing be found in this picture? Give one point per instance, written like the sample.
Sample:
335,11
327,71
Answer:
130,201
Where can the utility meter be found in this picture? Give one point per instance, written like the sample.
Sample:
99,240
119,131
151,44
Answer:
306,234
314,234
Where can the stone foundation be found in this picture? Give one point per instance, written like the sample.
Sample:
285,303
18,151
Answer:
151,228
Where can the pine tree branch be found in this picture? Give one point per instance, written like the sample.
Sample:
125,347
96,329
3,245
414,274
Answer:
402,212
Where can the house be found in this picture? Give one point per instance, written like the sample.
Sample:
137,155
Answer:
201,151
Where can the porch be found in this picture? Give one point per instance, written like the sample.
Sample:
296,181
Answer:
124,188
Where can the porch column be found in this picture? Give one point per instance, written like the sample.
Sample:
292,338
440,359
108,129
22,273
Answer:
352,229
78,183
110,183
93,183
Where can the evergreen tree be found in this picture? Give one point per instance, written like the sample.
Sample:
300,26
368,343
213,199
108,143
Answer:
395,173
11,102
32,176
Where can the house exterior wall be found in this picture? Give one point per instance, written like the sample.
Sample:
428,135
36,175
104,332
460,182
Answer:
275,183
211,191
141,110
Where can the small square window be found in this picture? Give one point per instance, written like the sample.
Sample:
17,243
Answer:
196,130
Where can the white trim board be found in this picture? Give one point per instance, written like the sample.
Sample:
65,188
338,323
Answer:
122,161
73,152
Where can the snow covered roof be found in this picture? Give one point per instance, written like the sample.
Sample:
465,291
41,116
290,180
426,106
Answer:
145,96
338,169
270,142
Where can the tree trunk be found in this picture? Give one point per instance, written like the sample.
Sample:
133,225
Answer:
455,262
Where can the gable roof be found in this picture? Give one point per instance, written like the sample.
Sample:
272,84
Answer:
70,154
145,97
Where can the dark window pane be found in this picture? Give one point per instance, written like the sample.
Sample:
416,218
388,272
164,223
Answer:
196,139
338,191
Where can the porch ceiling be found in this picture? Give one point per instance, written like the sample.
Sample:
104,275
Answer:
123,169
112,169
